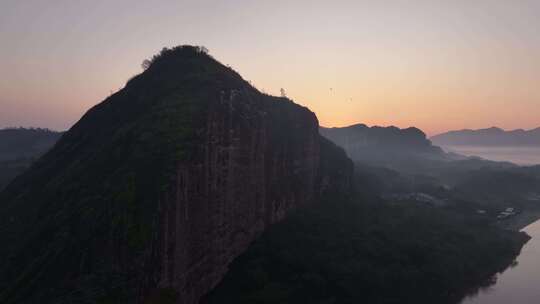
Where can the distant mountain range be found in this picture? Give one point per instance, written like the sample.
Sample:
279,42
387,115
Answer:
489,137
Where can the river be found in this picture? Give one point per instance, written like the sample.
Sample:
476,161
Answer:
518,284
519,155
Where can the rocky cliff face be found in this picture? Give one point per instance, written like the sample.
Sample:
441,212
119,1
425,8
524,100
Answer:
259,159
155,191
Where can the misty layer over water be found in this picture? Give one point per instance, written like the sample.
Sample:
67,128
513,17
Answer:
517,155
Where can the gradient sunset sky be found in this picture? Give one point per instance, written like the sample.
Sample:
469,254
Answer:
437,65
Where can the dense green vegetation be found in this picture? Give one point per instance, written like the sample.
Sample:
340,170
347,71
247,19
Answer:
345,251
500,186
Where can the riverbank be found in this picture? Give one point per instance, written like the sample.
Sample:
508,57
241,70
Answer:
521,220
517,285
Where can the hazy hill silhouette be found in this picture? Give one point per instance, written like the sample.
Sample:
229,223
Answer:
489,137
383,144
19,147
26,143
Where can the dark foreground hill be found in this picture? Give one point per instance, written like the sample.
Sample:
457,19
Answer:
157,189
489,137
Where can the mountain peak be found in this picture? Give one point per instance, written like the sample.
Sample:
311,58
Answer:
187,57
492,130
183,64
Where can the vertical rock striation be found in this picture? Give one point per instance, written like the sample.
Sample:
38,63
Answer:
259,159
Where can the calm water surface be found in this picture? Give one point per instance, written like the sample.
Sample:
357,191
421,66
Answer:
517,155
520,284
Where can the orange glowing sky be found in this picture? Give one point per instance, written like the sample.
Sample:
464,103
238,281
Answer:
437,65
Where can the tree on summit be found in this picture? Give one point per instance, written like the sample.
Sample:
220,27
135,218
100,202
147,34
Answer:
167,51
